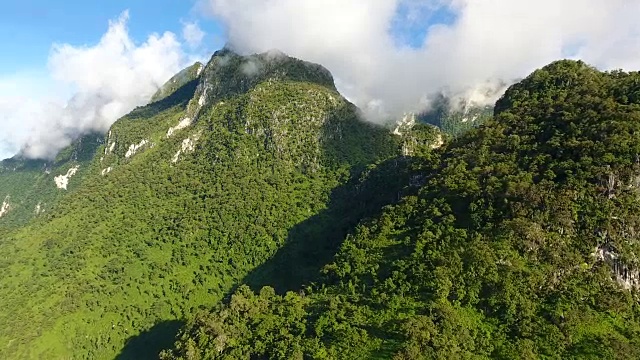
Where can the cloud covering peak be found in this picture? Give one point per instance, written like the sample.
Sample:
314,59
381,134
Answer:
106,80
380,60
387,56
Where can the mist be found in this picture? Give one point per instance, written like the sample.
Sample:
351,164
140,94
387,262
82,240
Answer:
393,56
87,88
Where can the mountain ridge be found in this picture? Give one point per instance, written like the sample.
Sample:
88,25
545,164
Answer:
519,243
249,206
172,213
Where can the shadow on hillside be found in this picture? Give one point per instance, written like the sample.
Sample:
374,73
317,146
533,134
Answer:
314,242
310,245
181,97
148,344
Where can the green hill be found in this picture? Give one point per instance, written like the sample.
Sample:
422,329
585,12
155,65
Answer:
521,243
178,81
31,188
184,198
455,119
248,209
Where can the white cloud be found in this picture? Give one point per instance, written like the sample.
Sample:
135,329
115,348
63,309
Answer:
107,79
488,40
192,34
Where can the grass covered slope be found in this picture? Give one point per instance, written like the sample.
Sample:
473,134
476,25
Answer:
521,243
188,195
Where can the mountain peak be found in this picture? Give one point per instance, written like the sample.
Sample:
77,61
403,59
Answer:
228,73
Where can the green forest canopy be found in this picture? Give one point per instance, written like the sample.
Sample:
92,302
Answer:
164,222
287,228
496,256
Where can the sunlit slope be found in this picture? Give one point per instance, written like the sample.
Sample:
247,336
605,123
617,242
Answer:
185,197
522,243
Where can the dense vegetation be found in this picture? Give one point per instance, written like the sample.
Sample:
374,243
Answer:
178,81
28,186
183,199
250,201
521,242
455,119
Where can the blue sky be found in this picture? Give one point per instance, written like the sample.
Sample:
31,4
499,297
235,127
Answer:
28,28
412,24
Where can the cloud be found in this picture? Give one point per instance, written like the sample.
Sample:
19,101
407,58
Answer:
105,81
468,45
192,34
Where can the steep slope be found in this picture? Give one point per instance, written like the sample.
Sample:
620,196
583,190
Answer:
178,81
31,188
521,243
455,119
186,197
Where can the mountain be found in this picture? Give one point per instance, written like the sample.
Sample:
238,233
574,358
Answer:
455,117
247,169
181,79
31,188
26,187
520,242
248,209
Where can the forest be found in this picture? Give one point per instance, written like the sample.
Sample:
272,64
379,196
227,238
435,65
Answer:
255,215
166,218
520,243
